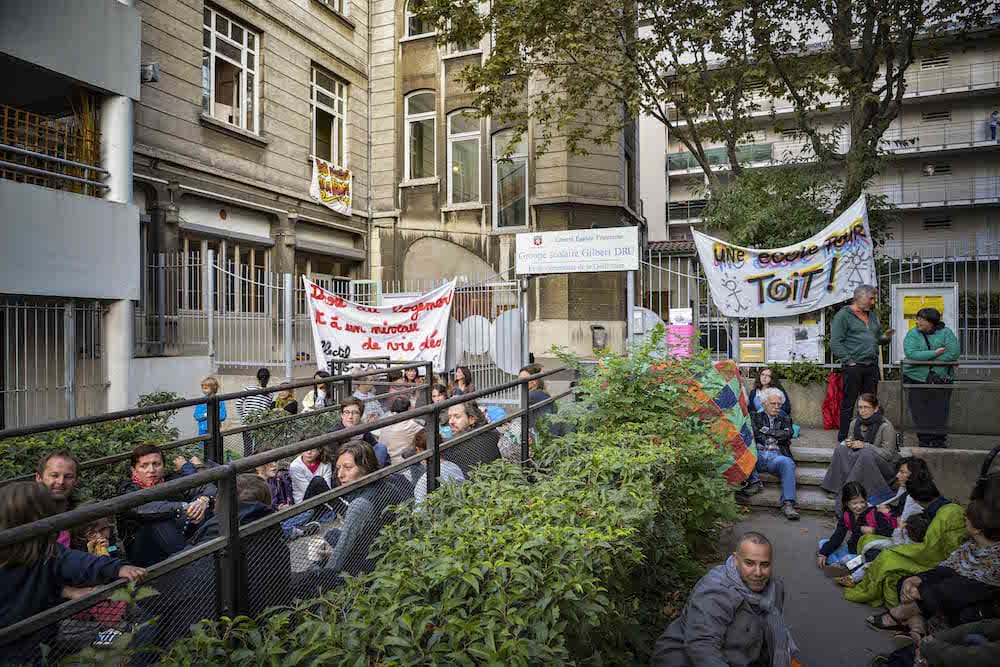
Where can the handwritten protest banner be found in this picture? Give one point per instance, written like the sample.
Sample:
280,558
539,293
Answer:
820,271
331,186
414,330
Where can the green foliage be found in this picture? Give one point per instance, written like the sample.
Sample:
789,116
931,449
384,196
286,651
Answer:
20,456
802,372
276,433
582,560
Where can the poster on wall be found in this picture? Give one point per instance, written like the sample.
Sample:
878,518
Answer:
331,186
411,330
907,299
794,280
798,338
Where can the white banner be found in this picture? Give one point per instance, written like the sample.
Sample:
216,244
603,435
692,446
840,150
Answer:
584,250
331,186
796,279
414,330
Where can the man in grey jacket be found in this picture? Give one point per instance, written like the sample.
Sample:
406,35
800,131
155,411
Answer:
733,617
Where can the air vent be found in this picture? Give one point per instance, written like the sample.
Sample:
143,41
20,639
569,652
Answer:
934,224
753,84
935,116
937,169
937,62
791,133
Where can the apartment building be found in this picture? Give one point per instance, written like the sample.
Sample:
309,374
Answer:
445,205
943,168
70,232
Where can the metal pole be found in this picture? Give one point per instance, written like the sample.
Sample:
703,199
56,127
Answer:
434,442
630,309
69,357
428,382
161,303
229,570
209,300
525,282
734,338
214,445
289,301
525,423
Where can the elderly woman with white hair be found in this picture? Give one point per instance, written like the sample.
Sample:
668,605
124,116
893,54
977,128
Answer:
772,431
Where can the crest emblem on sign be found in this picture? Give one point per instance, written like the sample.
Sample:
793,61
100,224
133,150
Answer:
538,240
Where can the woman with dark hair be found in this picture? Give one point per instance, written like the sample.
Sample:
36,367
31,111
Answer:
930,340
869,455
318,396
253,404
765,379
463,382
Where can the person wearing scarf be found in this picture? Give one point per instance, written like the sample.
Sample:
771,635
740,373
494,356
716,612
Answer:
968,577
733,617
868,456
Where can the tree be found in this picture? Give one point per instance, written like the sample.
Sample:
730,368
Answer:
698,66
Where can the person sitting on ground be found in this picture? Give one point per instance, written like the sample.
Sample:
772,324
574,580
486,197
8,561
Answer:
310,474
953,589
481,448
439,393
96,539
449,471
58,471
317,397
869,455
411,377
209,387
398,437
158,529
772,432
734,615
285,400
365,392
396,382
351,414
946,532
858,519
34,573
366,510
536,394
767,377
463,382
250,405
970,645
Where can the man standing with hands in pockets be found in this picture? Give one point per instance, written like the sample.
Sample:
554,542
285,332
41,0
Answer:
855,336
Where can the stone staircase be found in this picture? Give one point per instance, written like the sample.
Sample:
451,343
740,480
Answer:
812,451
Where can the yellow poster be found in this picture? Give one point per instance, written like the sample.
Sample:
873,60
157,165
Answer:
912,304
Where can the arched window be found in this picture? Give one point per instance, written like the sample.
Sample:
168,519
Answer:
510,181
463,157
414,26
420,145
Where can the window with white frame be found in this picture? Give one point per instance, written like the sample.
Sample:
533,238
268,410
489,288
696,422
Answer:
420,150
510,181
329,118
229,71
414,25
463,157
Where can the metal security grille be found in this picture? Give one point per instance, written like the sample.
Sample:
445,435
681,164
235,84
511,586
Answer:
51,361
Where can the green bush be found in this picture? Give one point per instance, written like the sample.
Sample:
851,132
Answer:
582,560
19,456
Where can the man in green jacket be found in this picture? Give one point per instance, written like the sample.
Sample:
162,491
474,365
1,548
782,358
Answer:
855,336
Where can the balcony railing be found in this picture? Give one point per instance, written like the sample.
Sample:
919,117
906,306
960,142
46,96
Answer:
685,211
51,152
937,136
775,152
932,191
970,76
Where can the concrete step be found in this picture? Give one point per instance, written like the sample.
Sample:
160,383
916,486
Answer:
810,499
812,454
805,475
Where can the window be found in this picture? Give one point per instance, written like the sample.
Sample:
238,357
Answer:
937,169
935,116
936,62
463,158
510,182
420,150
229,71
335,5
414,25
462,47
329,111
629,141
933,224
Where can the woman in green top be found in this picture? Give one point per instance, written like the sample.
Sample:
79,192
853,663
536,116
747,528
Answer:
930,340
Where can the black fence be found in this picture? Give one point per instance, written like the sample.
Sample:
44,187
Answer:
945,405
243,556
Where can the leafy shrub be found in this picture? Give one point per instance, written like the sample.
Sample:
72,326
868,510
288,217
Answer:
803,372
579,560
19,456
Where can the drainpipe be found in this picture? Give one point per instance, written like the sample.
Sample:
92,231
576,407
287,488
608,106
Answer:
368,240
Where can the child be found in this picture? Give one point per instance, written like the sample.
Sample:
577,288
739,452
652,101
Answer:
209,387
34,573
96,539
858,519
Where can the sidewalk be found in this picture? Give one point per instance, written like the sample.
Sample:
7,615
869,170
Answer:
829,630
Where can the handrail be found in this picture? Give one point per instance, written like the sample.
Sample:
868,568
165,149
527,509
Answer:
53,174
52,158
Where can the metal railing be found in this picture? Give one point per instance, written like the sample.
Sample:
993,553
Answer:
762,154
253,564
937,137
926,408
941,190
685,211
50,152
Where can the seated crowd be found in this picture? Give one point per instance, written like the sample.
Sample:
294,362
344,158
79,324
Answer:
44,572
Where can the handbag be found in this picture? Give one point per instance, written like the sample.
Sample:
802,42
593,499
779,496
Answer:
932,377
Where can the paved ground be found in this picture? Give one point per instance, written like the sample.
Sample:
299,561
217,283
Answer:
829,630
